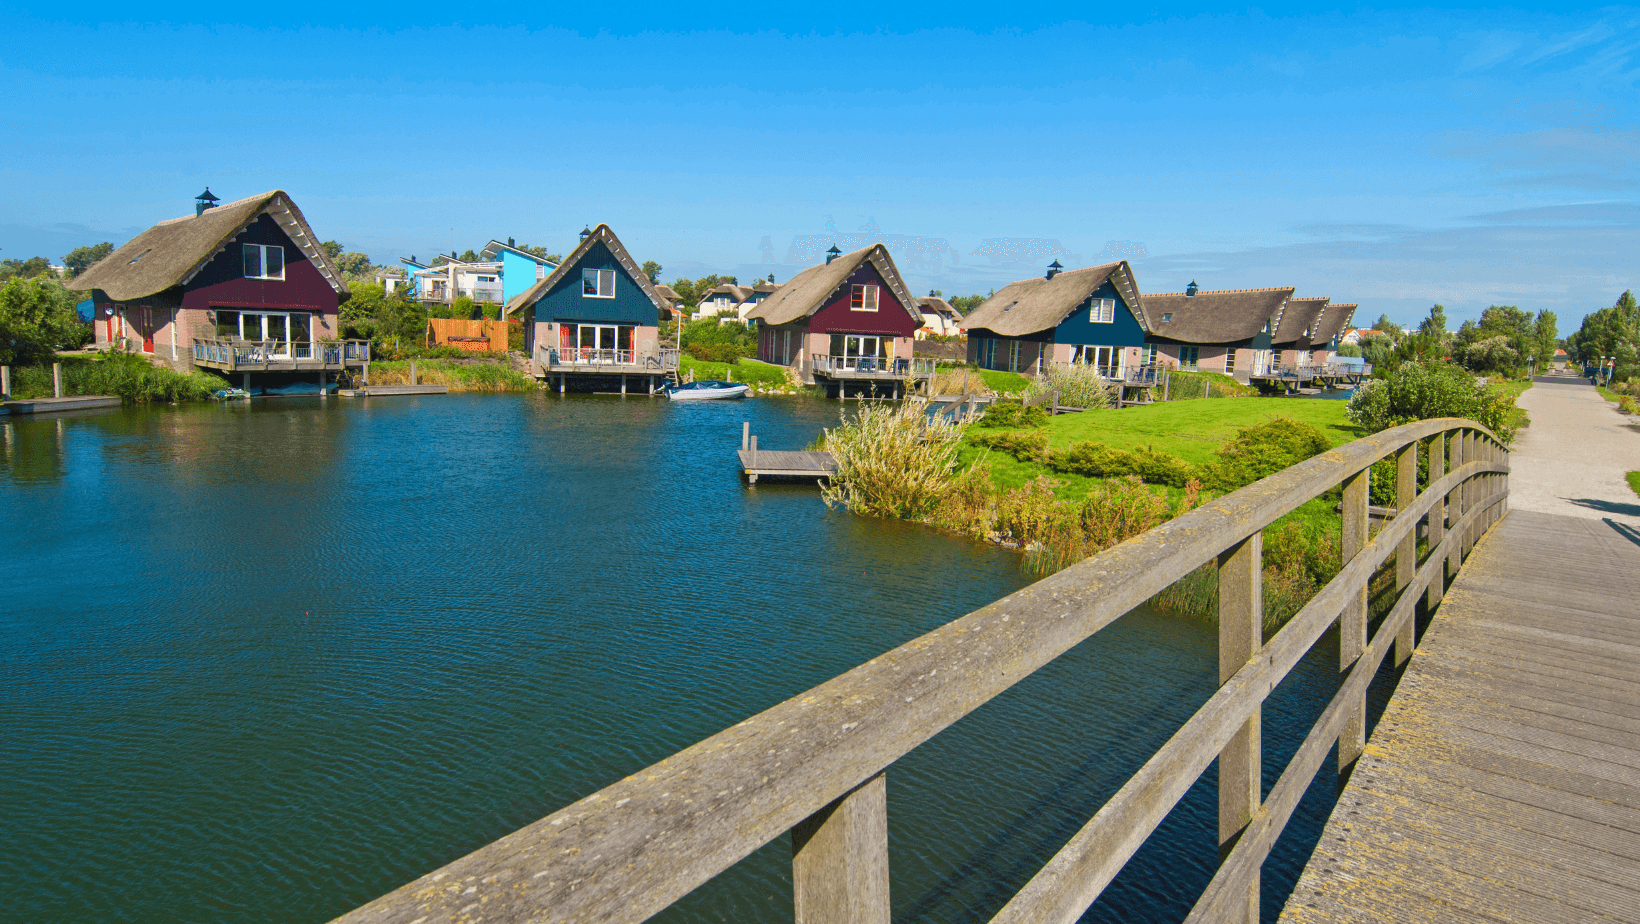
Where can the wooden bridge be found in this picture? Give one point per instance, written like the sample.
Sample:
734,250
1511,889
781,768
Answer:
1503,782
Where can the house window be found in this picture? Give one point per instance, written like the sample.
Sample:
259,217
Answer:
988,353
1147,354
597,283
1230,361
786,352
264,261
863,298
1167,316
1107,359
1188,357
1013,356
1102,310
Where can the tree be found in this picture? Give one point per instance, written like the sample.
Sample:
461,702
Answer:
1545,334
967,303
332,249
468,256
37,318
1435,324
541,252
25,269
1349,349
354,264
1385,326
652,270
81,259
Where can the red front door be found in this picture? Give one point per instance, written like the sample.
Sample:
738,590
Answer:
147,329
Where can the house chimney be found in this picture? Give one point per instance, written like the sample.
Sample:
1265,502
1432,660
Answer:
1054,269
204,201
510,243
586,232
833,254
771,278
1190,290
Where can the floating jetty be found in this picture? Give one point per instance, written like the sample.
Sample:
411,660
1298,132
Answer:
378,391
51,405
755,462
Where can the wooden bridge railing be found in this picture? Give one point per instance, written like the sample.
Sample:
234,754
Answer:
814,765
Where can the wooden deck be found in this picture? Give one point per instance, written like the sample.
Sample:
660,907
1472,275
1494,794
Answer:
380,391
755,462
1503,782
51,405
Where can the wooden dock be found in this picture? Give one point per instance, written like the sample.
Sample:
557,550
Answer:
1503,781
784,463
53,405
378,391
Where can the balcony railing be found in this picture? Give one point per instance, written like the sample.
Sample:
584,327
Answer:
889,368
251,353
589,359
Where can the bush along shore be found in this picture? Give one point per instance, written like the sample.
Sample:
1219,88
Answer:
475,375
129,376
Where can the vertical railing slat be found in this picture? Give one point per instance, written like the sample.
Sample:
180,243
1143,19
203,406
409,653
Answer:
1352,622
840,859
1406,554
1241,635
1437,515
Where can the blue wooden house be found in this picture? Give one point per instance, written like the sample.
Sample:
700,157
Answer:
1093,315
594,319
520,269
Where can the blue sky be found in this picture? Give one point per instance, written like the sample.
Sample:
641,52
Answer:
1392,156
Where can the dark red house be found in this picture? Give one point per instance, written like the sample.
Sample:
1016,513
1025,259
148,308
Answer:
849,319
242,287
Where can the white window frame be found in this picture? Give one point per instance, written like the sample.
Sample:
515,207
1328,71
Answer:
1013,356
1102,311
261,252
598,278
1230,361
1194,365
864,297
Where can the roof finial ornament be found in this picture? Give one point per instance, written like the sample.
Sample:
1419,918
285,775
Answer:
586,232
1190,290
1054,269
833,253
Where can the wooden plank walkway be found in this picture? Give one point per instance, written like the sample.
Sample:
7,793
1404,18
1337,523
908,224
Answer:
50,405
791,464
1503,782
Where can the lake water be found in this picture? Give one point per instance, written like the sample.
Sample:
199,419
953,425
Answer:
264,662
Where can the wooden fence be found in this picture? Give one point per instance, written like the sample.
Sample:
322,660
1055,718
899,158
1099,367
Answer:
814,765
484,336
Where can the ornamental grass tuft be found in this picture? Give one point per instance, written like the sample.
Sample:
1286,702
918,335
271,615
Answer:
891,462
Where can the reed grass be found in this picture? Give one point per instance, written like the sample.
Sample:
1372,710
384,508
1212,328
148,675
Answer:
891,461
131,377
492,377
1078,384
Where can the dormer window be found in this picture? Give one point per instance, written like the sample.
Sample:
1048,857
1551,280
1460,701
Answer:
1102,310
597,283
1167,316
264,261
141,255
863,298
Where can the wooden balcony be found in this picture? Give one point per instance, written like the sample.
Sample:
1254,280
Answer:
871,368
604,362
280,355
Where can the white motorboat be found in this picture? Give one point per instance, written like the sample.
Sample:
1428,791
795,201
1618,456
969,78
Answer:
708,390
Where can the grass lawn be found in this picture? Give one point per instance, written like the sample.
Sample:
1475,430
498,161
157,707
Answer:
1190,430
748,371
1634,481
1512,389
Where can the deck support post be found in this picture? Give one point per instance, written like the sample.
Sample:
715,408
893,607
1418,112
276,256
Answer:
623,384
1437,516
413,373
745,434
56,380
245,381
753,449
1352,622
5,381
1406,554
840,859
1241,635
560,383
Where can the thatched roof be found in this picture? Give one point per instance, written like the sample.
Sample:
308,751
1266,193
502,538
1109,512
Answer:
599,235
668,293
933,304
1032,305
1332,322
764,285
172,252
736,293
810,290
1296,322
1219,316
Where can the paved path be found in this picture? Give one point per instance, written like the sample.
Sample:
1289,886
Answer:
1571,460
1503,781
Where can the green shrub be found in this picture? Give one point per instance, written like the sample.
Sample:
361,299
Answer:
1430,389
1026,446
1093,460
729,353
128,376
1009,414
1262,450
891,462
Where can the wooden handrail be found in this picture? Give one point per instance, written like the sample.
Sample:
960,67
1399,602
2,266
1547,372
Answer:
626,852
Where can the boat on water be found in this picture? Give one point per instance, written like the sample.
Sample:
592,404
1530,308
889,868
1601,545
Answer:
709,390
231,394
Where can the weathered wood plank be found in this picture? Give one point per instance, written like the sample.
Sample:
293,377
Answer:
1503,780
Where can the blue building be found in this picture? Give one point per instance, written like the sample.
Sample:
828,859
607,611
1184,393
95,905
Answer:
1093,315
520,269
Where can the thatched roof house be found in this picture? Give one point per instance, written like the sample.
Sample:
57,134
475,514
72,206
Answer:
855,304
1092,315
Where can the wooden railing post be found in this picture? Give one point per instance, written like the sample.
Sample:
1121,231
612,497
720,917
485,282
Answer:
1241,635
840,859
1454,504
1406,554
56,380
1437,515
1471,489
1352,622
